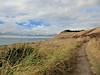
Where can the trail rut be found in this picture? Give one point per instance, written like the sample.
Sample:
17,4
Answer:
82,66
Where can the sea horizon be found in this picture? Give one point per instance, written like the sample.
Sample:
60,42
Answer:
12,39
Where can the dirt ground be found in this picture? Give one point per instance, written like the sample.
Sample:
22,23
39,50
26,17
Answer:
82,65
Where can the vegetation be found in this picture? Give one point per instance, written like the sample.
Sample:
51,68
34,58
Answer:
72,31
93,51
55,57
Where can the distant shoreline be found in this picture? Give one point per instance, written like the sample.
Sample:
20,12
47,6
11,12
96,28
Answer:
34,36
10,41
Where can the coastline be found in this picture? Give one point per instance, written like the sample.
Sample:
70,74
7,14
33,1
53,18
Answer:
58,54
9,41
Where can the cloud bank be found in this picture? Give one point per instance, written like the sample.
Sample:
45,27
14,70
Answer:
47,16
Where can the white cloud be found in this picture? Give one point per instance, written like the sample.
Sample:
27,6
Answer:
59,14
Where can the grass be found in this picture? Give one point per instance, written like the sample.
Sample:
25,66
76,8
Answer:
93,51
55,57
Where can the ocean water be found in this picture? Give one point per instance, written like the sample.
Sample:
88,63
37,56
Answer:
22,39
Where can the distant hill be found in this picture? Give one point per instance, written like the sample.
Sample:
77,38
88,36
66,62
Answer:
71,31
79,33
88,33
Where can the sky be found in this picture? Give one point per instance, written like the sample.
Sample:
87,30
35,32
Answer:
44,17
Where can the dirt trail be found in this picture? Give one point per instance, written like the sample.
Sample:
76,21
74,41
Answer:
82,66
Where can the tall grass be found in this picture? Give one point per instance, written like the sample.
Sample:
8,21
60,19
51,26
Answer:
93,51
56,57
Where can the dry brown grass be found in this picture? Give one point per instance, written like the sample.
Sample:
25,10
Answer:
93,51
55,57
65,35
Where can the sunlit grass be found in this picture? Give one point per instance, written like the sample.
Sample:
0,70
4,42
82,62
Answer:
43,58
93,51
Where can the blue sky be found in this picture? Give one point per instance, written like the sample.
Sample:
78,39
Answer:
48,16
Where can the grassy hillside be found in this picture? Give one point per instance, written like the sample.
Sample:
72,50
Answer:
44,58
